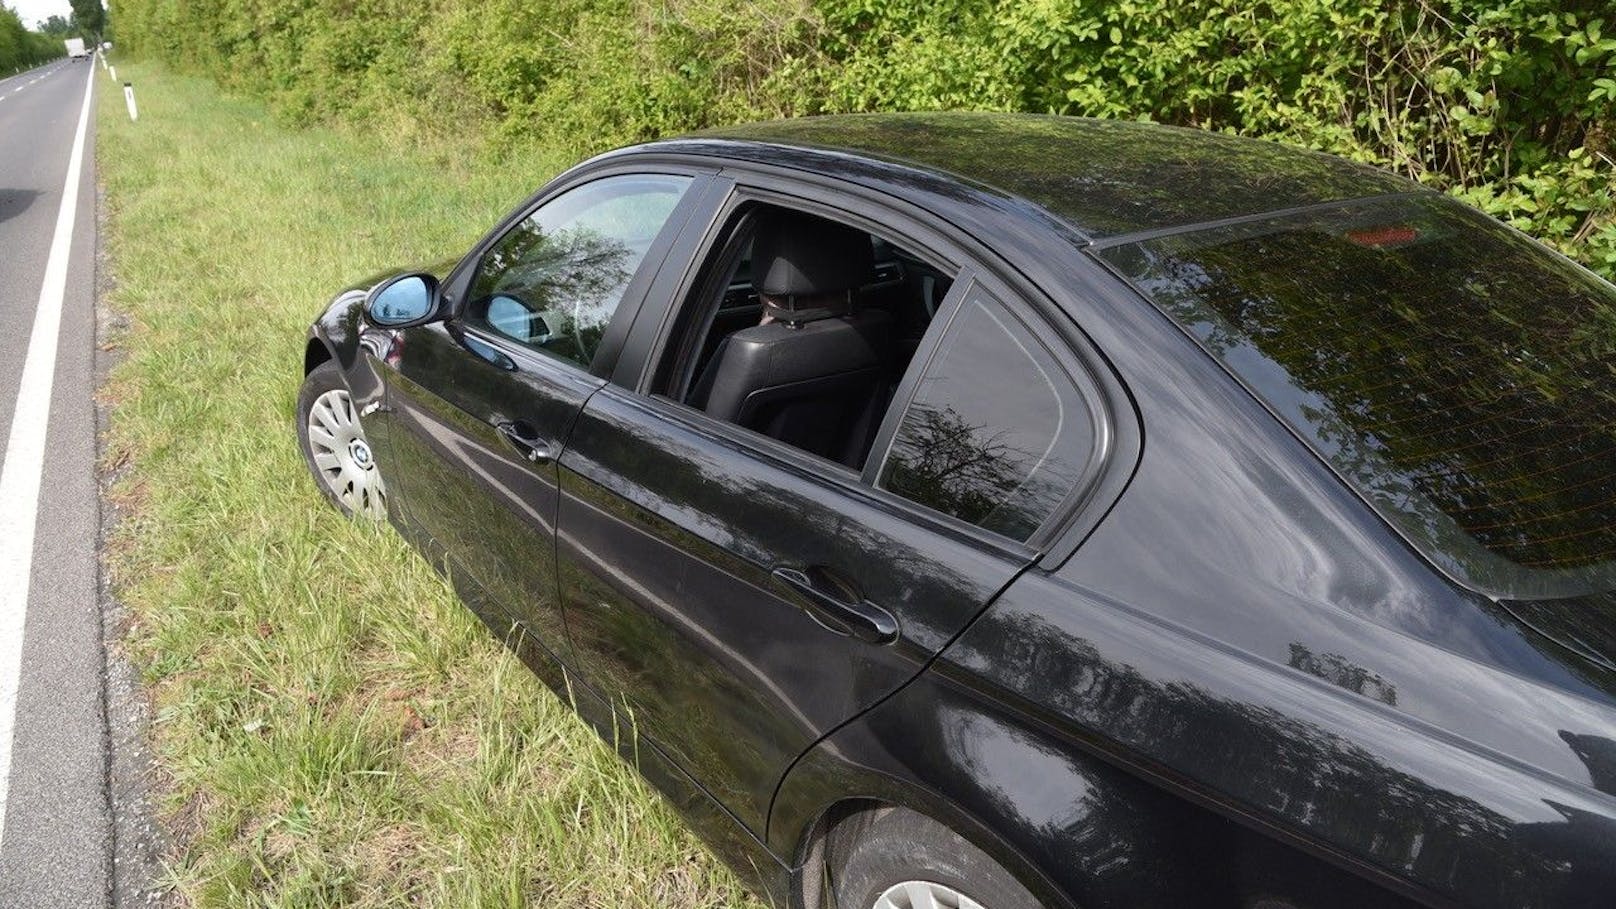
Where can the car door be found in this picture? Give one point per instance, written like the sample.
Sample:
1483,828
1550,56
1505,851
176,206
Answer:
482,402
739,598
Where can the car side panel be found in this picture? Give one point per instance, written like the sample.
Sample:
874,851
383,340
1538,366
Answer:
1472,757
489,507
1315,759
1075,827
722,833
1243,632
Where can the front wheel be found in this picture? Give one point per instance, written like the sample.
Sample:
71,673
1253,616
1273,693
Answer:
334,445
894,858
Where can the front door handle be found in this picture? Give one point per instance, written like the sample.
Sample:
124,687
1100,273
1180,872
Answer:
525,439
841,610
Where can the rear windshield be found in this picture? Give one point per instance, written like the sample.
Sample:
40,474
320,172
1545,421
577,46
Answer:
1459,375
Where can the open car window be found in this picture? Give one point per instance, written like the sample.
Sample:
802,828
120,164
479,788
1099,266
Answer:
821,382
1458,375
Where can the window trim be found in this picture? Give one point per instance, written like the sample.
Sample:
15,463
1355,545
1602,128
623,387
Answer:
527,360
666,366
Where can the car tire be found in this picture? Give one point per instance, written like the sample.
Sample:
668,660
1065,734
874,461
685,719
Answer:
895,858
334,445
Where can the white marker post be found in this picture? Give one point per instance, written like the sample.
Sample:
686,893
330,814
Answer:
129,99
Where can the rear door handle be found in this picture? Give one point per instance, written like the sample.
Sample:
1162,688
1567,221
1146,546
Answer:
843,611
525,439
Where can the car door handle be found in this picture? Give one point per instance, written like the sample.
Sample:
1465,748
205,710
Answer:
525,439
843,612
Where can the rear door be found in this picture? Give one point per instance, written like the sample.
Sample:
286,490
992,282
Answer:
740,598
484,400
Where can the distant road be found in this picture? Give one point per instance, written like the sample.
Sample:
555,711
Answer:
56,837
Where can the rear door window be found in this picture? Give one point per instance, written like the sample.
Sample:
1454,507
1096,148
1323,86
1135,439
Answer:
997,433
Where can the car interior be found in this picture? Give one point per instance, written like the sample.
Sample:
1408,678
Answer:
807,327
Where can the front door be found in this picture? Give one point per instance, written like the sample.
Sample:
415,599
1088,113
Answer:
483,402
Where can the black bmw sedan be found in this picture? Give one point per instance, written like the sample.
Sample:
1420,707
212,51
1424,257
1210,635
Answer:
993,512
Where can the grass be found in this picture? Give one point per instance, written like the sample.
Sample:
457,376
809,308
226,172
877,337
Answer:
331,726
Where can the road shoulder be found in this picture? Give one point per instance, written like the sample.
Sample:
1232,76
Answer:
139,843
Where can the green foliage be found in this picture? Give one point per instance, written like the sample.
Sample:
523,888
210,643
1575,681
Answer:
89,17
22,49
1511,104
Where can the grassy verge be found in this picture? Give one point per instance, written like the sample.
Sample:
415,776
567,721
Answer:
332,726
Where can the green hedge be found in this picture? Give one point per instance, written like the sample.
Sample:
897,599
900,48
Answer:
1510,104
20,48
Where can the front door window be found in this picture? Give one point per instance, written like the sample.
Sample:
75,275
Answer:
554,280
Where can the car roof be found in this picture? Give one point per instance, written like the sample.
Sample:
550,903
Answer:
1102,178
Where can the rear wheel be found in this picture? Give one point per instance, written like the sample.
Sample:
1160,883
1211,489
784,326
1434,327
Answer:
894,858
334,445
924,895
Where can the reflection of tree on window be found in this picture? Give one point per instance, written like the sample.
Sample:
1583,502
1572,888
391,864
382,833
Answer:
573,277
996,434
554,281
942,461
1461,377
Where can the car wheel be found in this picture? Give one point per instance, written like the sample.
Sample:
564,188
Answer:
894,858
334,445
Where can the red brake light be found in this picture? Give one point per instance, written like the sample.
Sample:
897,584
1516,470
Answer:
1389,237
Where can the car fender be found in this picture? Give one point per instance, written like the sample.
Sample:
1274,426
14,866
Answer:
335,334
341,335
1008,788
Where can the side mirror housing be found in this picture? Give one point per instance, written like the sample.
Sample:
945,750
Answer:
404,301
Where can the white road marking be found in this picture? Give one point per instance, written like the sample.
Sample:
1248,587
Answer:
24,466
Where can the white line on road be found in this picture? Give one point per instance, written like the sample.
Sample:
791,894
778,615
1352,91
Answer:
24,467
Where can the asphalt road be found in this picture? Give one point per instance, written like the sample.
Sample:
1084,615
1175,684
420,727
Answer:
56,842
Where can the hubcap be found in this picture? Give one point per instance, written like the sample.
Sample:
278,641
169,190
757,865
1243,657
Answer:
924,895
342,456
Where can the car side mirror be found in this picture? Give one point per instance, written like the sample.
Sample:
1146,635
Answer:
404,301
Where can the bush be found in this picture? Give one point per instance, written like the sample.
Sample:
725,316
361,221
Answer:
1510,104
22,49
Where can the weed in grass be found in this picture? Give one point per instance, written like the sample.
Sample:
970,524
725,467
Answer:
335,729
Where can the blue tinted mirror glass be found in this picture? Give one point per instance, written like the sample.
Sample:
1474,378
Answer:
405,300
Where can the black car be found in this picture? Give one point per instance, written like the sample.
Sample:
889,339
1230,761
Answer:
999,511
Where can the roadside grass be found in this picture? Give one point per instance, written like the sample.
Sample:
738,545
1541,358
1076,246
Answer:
331,726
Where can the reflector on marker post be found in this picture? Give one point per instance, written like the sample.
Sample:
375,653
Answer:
129,98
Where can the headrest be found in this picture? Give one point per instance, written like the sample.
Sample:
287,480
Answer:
801,255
